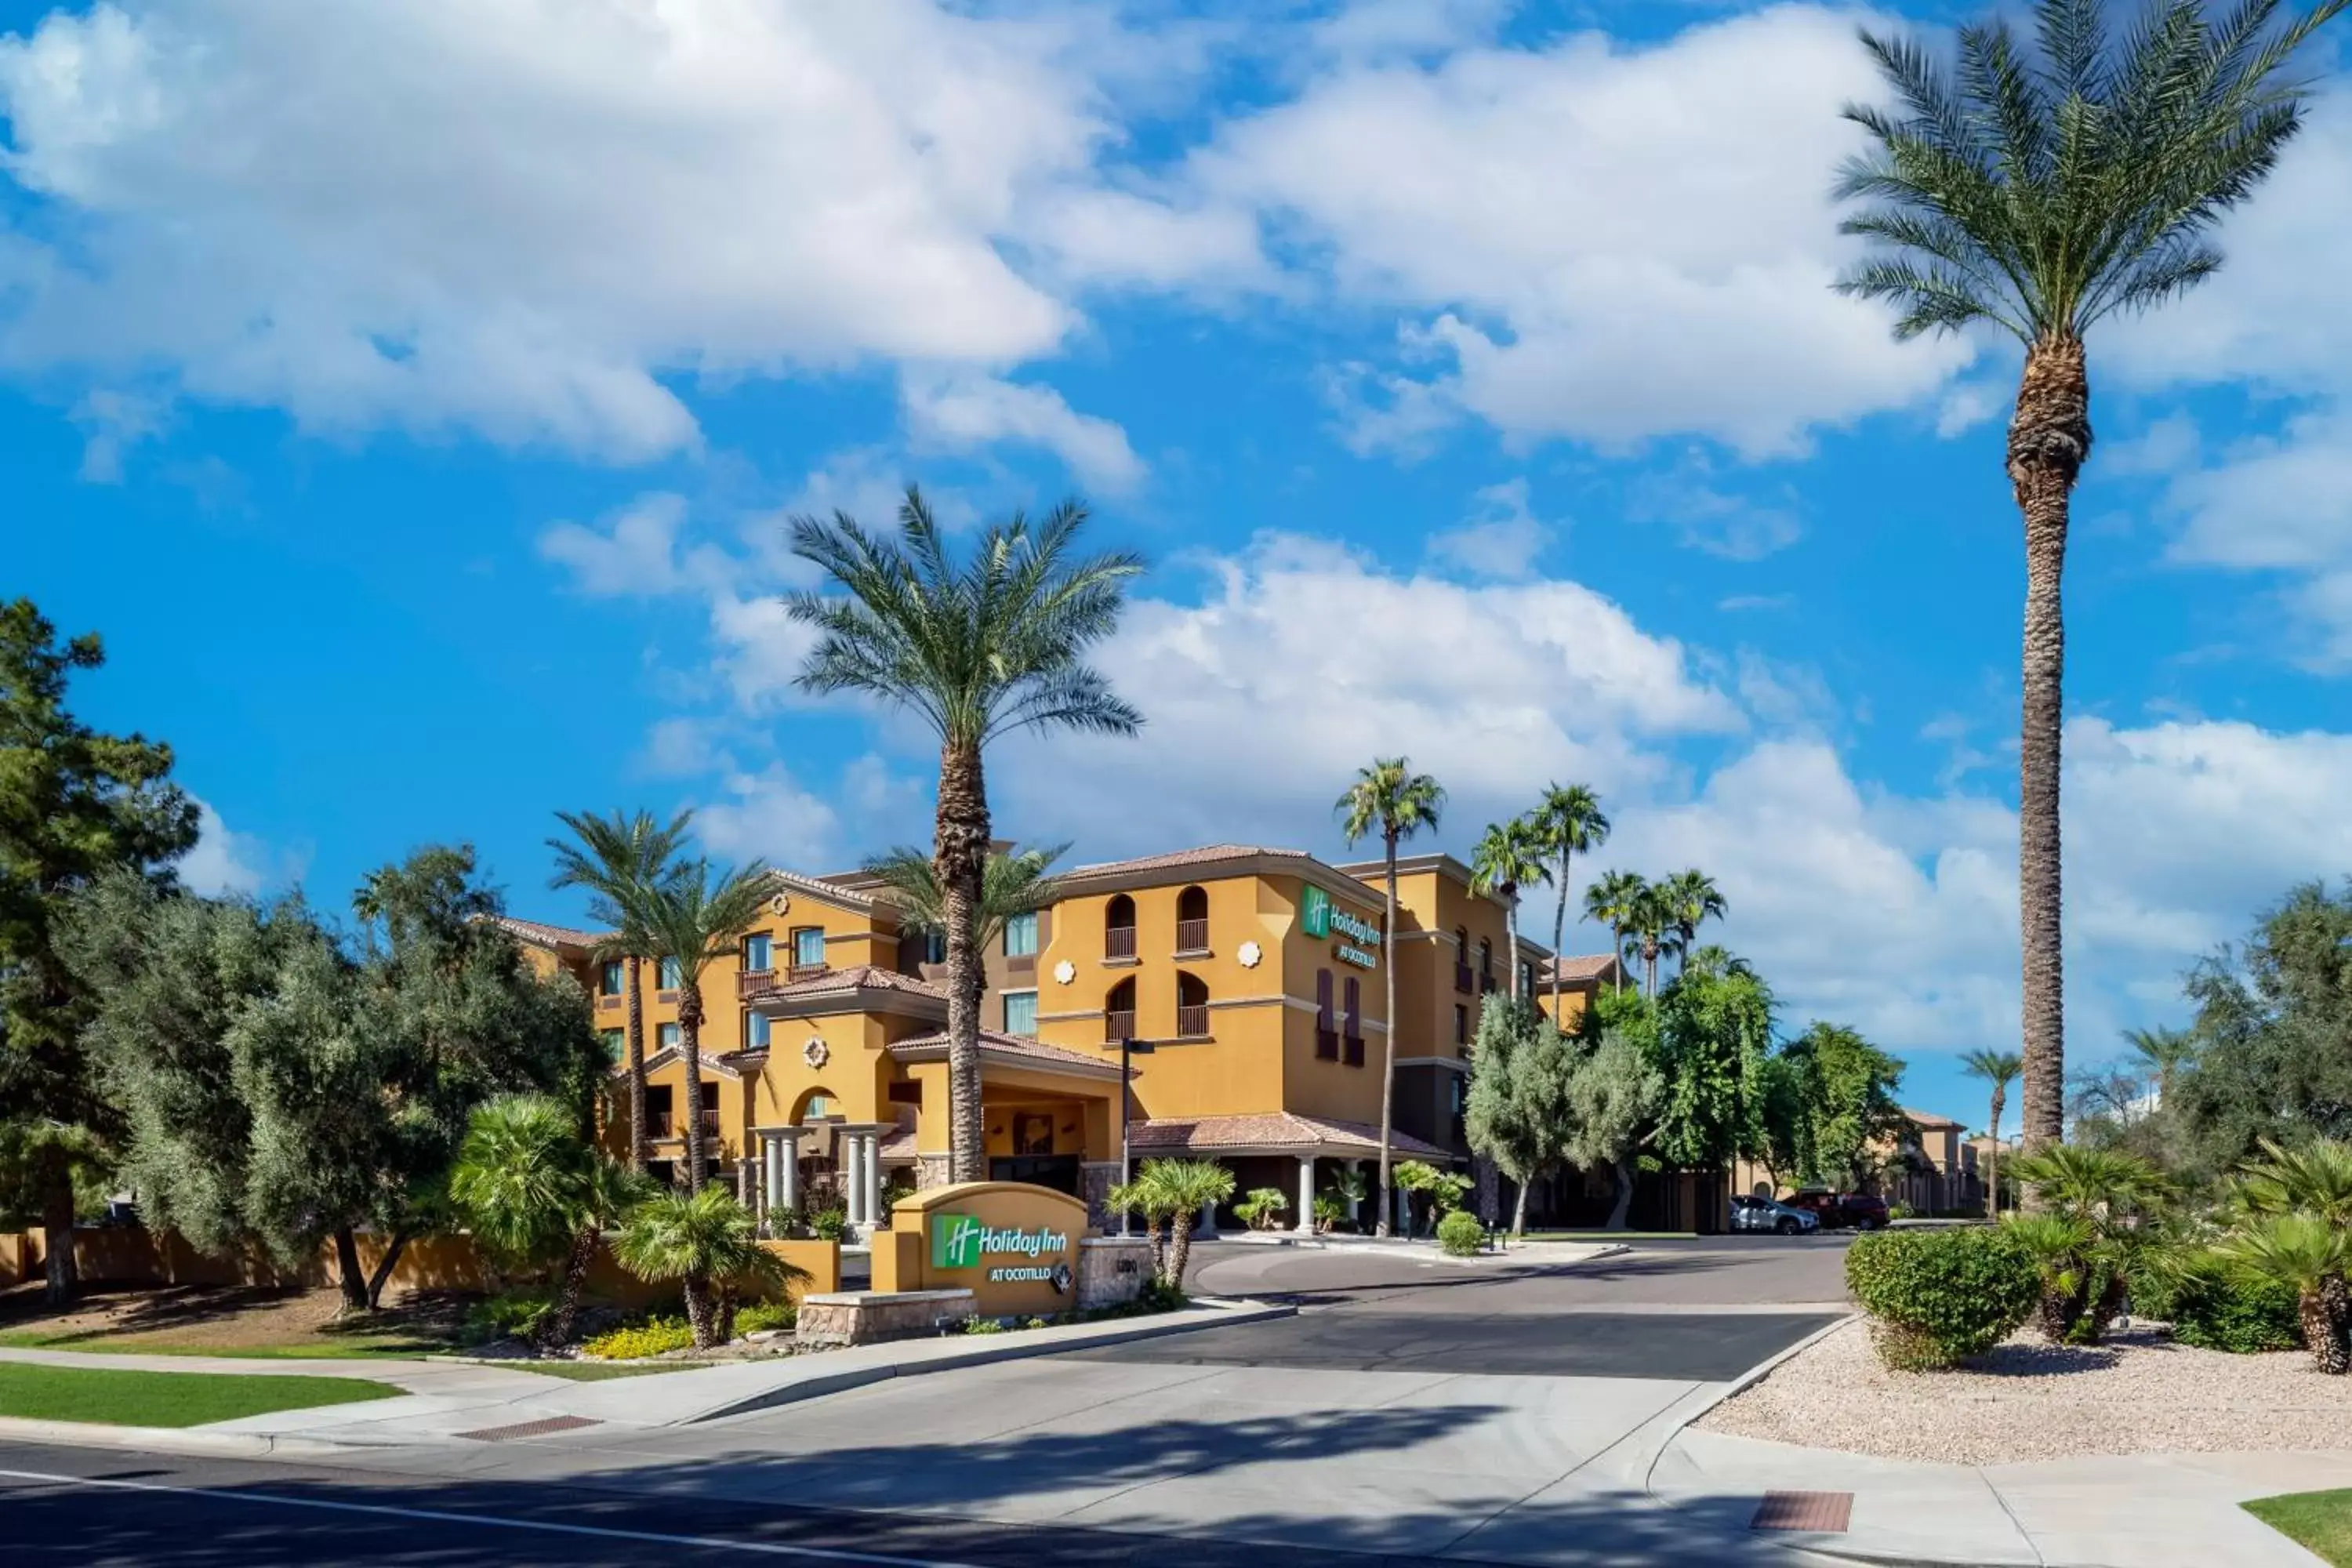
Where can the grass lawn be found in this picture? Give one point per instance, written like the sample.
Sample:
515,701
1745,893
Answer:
2320,1522
592,1372
166,1398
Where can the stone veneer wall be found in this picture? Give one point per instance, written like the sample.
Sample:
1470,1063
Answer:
864,1318
1111,1270
1096,1179
931,1170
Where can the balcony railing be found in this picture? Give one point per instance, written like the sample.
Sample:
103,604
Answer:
751,982
1118,1026
1326,1045
800,972
1192,936
1353,1054
1192,1022
1462,978
710,1122
1118,941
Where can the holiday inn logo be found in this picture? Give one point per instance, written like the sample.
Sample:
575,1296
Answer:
955,1241
1314,910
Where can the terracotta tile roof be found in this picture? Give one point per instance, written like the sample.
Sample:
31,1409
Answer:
1013,1050
1275,1130
823,887
1575,968
1208,854
899,1146
859,977
540,934
1927,1118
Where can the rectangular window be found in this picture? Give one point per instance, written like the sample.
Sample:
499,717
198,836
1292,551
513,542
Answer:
669,1037
755,1030
1021,1012
609,980
1526,980
616,1045
1460,1024
670,975
758,953
1021,935
657,1110
1327,1032
808,948
1355,1035
935,946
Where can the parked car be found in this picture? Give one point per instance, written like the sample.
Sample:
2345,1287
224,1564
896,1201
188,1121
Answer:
1836,1211
1764,1213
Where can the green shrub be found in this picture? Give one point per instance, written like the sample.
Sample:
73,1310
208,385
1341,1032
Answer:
2219,1309
1939,1297
1262,1210
513,1316
650,1338
829,1224
1460,1234
983,1325
758,1316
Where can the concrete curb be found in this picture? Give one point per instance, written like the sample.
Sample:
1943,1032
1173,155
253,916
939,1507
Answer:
989,1349
1746,1380
166,1440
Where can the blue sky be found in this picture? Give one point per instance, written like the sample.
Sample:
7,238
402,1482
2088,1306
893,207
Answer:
414,396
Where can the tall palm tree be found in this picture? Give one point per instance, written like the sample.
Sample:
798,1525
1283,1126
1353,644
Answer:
1612,900
1649,924
1571,822
1999,1068
1011,884
2165,1052
695,919
2038,189
1391,799
1507,856
1692,899
978,649
708,1242
621,860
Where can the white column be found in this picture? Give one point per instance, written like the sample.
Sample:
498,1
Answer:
770,1187
1355,1205
853,1176
1209,1218
788,1172
875,1213
1306,1194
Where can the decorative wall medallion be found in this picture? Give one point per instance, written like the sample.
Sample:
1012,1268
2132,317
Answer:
1065,972
815,1052
1249,952
779,904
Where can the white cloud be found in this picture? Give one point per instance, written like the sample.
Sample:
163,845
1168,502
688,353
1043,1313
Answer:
518,220
635,553
1500,539
1602,241
224,863
1708,518
768,816
958,413
112,423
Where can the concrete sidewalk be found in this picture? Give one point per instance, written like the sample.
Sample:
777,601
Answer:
2139,1511
446,1400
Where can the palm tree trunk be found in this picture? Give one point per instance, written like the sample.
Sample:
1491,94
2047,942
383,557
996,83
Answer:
1617,956
699,1314
1388,1035
1560,931
1511,935
1993,1163
640,1145
1179,1248
2322,1332
959,861
2049,437
689,1039
555,1329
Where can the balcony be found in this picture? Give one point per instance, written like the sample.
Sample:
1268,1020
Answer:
1462,978
751,982
800,972
1118,1026
1193,1023
1192,936
1326,1044
608,1003
1118,941
1353,1054
710,1122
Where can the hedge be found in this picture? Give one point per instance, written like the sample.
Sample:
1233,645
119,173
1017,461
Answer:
1460,1234
1939,1297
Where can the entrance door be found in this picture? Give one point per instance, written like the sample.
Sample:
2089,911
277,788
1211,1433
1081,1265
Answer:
1059,1171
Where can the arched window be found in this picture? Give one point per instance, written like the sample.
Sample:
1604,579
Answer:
1354,1037
1327,1026
1486,964
1192,1005
1119,1011
1118,929
1193,921
1462,978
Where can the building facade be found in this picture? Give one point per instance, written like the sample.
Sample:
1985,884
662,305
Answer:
1235,992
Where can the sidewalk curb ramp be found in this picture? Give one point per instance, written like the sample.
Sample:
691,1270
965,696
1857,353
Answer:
193,1440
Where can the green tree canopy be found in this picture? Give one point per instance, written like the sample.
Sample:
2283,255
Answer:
1847,1097
1519,1113
1714,1035
1614,1101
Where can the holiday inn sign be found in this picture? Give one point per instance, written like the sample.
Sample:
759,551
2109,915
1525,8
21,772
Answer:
1357,937
964,1241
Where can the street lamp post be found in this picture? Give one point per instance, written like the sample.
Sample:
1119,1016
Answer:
1128,1048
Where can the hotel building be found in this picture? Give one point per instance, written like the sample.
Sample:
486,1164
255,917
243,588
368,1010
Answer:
1244,982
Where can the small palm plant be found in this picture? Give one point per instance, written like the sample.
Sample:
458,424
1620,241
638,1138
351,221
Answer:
1351,1188
1391,799
1509,857
709,1244
2316,1180
622,861
978,650
1184,1188
2037,189
695,919
2118,1200
1146,1200
1262,1209
1569,822
2309,1255
531,1188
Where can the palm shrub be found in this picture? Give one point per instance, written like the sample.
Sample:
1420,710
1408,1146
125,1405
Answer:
1262,1210
1149,1202
708,1242
1182,1189
2099,1211
976,649
2038,189
2060,1246
2316,1180
2304,1253
1939,1297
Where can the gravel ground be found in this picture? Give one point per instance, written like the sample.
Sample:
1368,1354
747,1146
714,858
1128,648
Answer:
2028,1400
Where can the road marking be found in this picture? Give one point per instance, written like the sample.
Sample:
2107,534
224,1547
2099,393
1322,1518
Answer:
498,1521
